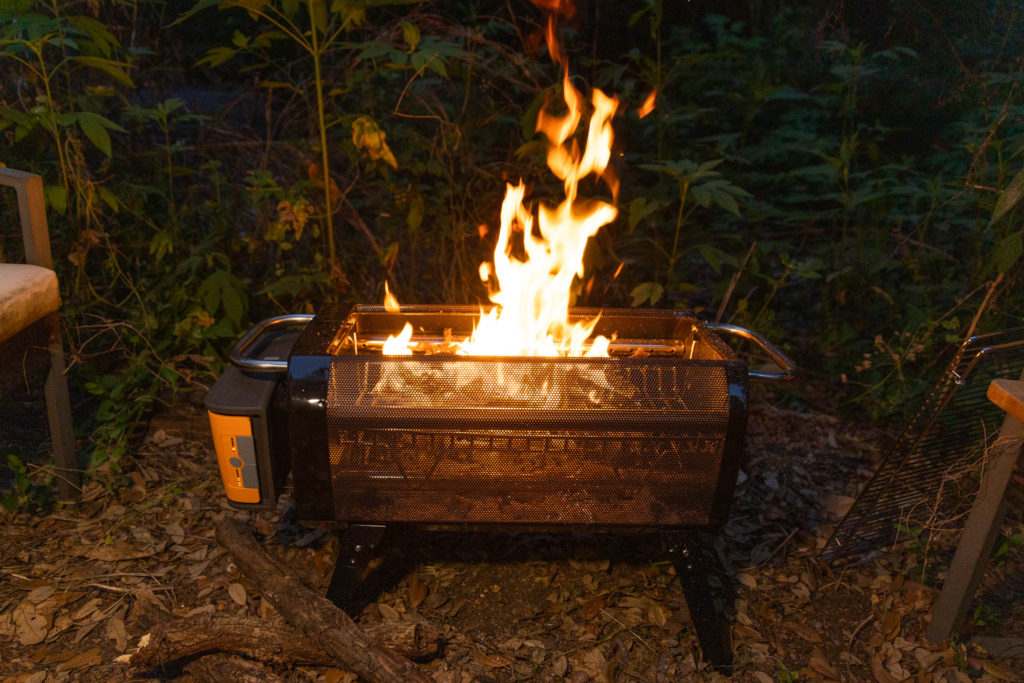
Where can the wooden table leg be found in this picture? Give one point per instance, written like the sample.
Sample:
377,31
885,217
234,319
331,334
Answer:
979,533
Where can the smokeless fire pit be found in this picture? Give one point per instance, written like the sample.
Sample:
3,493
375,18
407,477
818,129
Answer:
648,438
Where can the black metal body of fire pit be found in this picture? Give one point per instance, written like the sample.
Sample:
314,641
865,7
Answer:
649,438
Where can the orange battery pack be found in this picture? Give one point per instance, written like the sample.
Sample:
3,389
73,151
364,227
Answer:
236,456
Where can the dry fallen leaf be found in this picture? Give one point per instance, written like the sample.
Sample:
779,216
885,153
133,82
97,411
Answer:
333,675
30,626
387,612
591,608
86,609
90,657
657,614
594,661
820,665
878,669
927,659
998,671
236,592
748,633
118,551
40,594
747,579
417,591
494,661
117,633
890,624
175,532
804,631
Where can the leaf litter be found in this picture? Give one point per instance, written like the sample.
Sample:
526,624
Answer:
83,587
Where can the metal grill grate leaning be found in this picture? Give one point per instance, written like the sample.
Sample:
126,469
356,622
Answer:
953,427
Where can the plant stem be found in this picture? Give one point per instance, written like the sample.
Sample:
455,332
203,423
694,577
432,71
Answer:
51,114
684,190
324,163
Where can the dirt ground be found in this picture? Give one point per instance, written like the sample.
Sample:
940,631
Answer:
82,586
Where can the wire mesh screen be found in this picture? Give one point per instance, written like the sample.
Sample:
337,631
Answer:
951,430
564,384
630,441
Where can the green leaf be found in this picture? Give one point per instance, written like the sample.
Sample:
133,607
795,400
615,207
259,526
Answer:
251,5
56,198
223,290
711,256
96,32
537,148
352,12
195,9
112,68
647,291
411,34
640,209
234,306
1009,197
1007,251
109,198
319,17
528,122
95,128
217,56
415,217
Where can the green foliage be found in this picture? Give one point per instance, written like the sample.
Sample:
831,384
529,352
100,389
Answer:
25,495
854,200
1005,544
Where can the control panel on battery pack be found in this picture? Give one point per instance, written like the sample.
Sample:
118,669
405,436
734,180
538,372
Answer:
236,456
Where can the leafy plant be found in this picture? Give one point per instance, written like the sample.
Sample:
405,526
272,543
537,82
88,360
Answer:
25,494
49,49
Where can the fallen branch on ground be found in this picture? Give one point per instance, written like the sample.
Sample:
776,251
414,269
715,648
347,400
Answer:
314,615
267,642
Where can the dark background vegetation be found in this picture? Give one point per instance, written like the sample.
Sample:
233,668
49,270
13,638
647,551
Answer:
841,176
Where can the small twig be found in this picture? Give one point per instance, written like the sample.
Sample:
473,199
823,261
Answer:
732,283
853,636
401,96
118,589
635,634
777,549
984,304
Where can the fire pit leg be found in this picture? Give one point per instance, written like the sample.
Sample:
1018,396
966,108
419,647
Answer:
356,546
695,562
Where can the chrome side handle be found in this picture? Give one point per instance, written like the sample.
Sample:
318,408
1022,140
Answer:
787,370
238,355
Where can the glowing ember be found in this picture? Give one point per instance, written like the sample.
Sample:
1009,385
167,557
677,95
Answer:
531,297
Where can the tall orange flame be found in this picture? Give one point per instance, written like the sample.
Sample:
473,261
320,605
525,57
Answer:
532,297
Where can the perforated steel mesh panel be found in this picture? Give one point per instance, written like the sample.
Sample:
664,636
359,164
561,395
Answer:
953,427
627,441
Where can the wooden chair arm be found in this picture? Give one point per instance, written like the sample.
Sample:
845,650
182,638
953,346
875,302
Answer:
32,212
1008,394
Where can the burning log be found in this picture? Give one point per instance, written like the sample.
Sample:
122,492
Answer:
314,615
267,642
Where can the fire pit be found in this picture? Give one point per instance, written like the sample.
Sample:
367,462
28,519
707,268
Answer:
648,438
530,414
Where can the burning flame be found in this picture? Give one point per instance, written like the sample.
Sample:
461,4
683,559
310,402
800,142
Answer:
648,106
532,297
396,346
